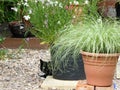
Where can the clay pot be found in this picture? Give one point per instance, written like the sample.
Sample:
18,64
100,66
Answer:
99,68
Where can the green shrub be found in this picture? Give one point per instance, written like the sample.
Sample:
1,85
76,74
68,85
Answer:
6,14
49,17
2,51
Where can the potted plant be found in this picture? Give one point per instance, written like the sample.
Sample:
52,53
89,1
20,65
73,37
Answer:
64,60
20,28
95,39
66,66
100,53
52,19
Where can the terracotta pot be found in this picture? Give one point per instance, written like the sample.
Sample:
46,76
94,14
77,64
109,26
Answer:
99,68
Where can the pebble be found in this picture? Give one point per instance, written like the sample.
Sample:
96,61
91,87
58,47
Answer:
19,70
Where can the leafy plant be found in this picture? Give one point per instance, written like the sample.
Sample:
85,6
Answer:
2,51
1,39
91,8
98,36
22,10
48,17
5,12
95,36
65,46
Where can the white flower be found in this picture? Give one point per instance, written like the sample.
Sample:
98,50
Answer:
30,11
74,16
48,0
26,0
76,2
18,4
86,2
21,27
56,3
99,20
70,3
43,1
59,22
26,4
36,1
60,5
27,39
26,17
46,22
51,3
14,8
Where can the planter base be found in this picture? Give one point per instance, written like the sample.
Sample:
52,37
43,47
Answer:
50,83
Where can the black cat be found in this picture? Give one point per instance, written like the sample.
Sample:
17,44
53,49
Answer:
45,68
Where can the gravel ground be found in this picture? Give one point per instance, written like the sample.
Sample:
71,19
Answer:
20,70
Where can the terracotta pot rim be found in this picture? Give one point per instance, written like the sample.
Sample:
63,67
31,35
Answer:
100,54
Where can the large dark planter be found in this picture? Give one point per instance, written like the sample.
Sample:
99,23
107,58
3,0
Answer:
69,68
71,71
18,30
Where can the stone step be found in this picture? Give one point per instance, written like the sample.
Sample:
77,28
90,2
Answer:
54,84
